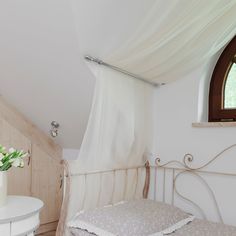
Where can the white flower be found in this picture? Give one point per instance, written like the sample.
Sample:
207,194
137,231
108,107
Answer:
1,164
16,162
1,156
22,163
11,150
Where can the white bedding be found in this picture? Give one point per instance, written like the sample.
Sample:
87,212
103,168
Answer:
195,228
139,218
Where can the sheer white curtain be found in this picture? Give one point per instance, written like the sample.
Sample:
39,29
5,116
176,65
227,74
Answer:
117,136
119,127
177,36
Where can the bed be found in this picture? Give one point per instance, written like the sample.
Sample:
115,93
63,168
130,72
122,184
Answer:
132,213
196,228
144,217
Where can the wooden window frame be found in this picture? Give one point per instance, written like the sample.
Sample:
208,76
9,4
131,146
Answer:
217,86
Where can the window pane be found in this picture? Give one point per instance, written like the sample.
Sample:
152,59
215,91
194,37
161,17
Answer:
230,89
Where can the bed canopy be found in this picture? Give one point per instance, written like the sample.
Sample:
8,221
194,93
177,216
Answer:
176,37
173,38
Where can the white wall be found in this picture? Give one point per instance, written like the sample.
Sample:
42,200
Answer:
42,44
178,105
70,154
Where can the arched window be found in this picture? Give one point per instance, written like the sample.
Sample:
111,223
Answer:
222,96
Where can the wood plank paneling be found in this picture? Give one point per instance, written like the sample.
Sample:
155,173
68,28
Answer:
41,177
19,179
47,174
29,130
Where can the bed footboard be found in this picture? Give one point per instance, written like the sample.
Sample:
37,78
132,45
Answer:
138,175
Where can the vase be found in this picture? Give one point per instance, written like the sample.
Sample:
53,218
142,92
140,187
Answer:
3,188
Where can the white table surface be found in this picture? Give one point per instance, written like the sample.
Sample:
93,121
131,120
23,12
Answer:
19,208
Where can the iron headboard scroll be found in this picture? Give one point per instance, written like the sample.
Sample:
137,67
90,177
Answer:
185,167
189,158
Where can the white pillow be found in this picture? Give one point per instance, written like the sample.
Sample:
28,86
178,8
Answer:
138,217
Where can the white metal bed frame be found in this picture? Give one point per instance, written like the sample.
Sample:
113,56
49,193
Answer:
177,168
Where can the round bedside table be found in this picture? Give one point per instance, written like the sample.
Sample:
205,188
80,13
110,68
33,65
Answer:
20,216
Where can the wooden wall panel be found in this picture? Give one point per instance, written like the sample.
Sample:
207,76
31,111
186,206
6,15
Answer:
19,180
43,172
47,174
28,129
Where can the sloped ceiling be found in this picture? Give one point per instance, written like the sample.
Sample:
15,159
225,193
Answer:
42,43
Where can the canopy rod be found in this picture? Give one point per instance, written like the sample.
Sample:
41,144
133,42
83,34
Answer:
100,62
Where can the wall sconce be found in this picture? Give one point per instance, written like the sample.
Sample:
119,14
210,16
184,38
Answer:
54,129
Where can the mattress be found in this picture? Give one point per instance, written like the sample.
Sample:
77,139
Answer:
195,228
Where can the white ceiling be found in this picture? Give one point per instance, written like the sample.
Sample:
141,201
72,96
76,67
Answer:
42,43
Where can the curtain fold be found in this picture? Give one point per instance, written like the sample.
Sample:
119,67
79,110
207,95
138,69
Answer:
177,37
119,128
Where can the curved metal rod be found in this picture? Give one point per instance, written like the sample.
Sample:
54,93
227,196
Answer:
188,158
158,163
186,165
212,195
